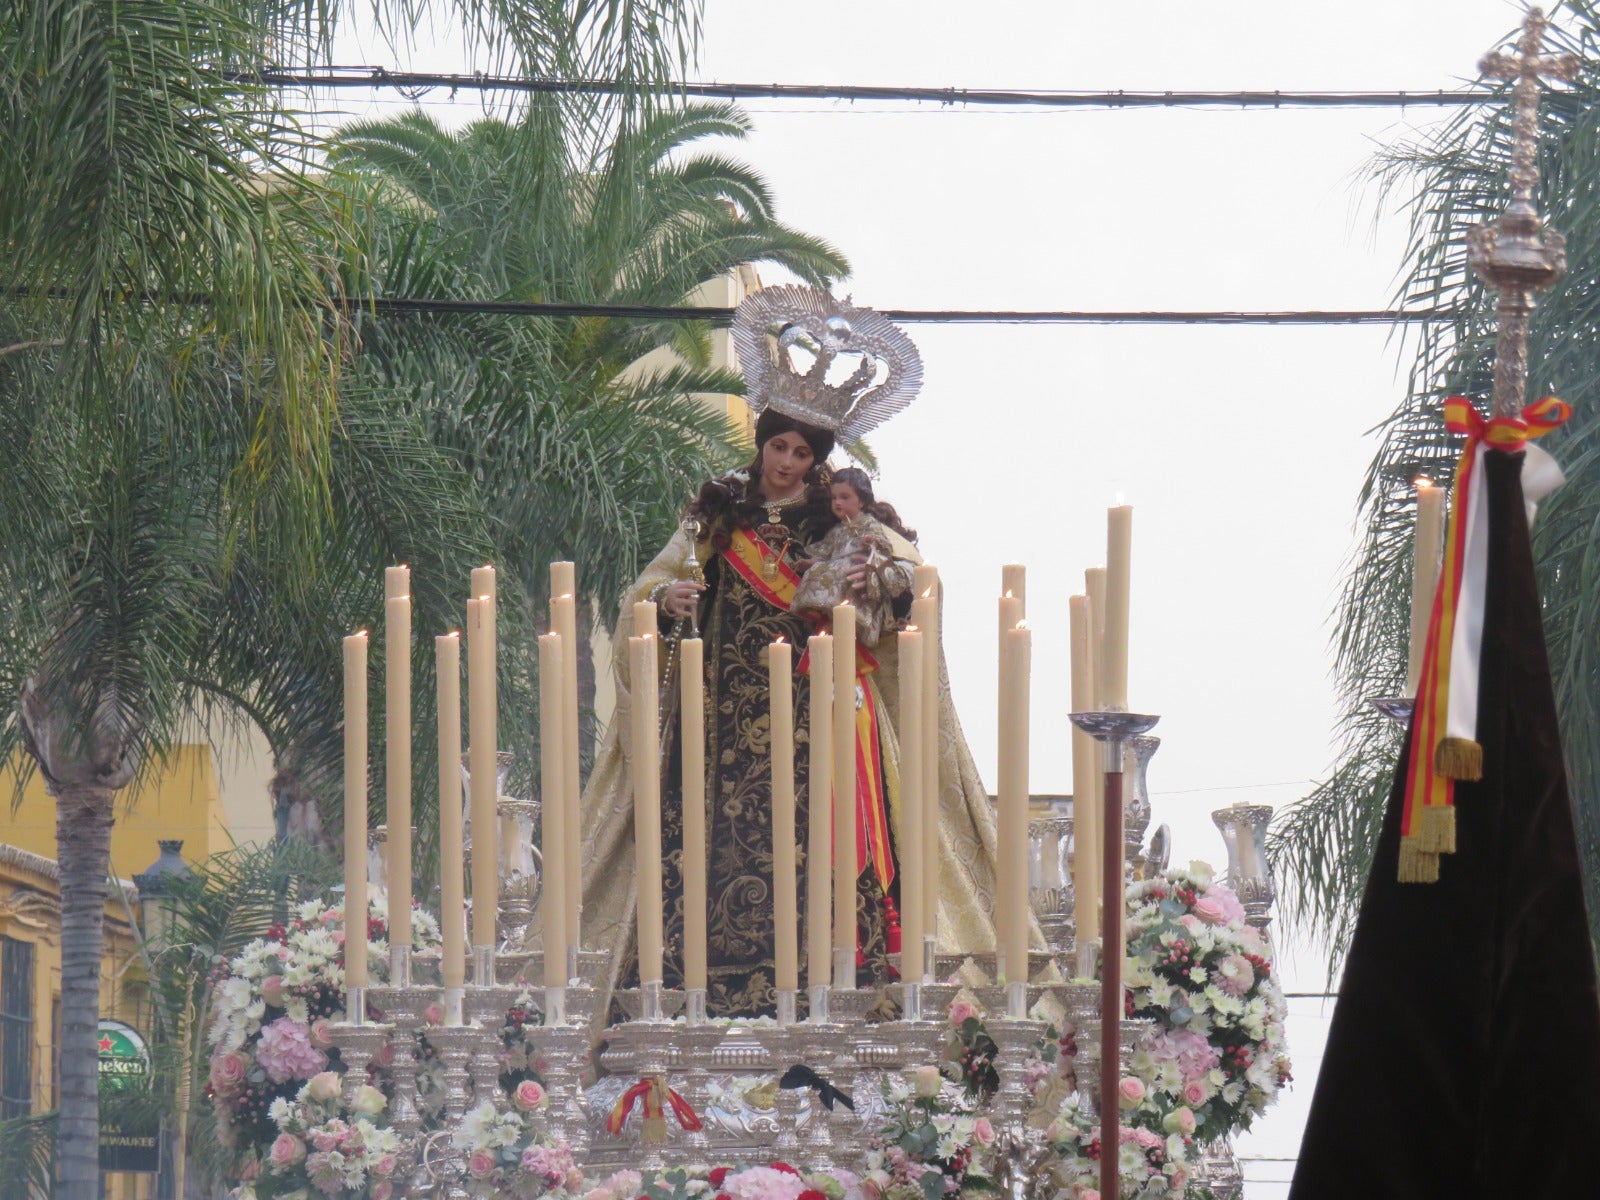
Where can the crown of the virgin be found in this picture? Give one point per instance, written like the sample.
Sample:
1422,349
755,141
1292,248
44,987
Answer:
810,357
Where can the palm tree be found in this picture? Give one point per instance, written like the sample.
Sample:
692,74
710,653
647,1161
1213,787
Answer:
577,456
169,355
1323,846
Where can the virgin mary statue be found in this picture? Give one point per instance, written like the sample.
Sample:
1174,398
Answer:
729,574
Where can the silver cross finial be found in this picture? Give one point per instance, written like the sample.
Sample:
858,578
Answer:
1516,255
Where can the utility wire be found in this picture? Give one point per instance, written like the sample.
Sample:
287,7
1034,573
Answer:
383,77
724,316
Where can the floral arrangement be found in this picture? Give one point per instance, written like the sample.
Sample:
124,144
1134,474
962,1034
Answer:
773,1181
270,1029
1153,1166
324,1150
509,1155
932,1144
970,1054
1205,977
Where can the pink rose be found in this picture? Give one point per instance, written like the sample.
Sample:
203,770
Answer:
1180,1179
1131,1091
323,1087
481,1164
1236,975
287,1150
227,1071
983,1132
962,1011
385,1055
384,1166
1211,910
434,1014
1088,1194
382,1190
272,990
528,1096
1179,1120
324,1141
925,1081
322,1033
1194,1092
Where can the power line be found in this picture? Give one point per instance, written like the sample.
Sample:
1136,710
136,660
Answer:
724,316
384,77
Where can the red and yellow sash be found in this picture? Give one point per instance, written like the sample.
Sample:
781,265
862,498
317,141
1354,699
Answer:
657,1098
1441,754
775,582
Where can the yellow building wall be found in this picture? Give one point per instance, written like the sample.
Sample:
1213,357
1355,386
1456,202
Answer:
180,800
30,911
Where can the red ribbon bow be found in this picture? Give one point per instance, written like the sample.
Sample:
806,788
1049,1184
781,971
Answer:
652,1090
1504,433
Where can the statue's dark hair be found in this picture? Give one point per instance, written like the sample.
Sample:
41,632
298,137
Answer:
881,510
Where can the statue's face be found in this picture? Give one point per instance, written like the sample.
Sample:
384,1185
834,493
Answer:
846,501
785,459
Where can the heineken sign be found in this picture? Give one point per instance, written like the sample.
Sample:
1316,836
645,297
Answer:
127,1143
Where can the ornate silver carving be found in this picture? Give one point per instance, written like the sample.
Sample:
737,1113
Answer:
1516,255
1244,833
772,324
1136,804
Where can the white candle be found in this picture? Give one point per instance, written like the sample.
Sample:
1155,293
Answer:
1013,797
692,706
1094,586
913,907
644,618
452,856
647,806
1010,614
564,620
845,868
1119,558
1014,582
785,907
482,751
1085,775
552,783
355,810
1428,543
925,615
819,833
397,754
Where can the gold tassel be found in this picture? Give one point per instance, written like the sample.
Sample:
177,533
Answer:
655,1113
1459,758
1416,864
1438,832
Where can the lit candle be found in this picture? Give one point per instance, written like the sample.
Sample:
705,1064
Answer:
913,908
1013,796
819,839
692,707
452,856
564,620
1119,557
552,782
1014,582
483,583
647,806
785,902
1085,773
355,811
644,618
1428,543
397,752
925,615
845,868
482,752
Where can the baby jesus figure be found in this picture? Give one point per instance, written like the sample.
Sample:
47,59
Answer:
860,540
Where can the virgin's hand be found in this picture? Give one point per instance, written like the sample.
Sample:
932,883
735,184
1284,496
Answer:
681,597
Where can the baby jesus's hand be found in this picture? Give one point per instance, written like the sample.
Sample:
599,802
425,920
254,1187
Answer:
856,574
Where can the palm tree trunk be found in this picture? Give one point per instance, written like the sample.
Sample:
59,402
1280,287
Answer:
586,687
83,849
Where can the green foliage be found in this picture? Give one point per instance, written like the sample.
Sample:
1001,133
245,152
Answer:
27,1152
1322,847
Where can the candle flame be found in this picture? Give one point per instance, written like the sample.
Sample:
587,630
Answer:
453,633
485,598
564,596
1422,481
780,641
1121,500
1008,595
1020,625
911,629
927,592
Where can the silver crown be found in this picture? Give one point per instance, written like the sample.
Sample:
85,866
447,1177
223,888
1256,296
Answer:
772,324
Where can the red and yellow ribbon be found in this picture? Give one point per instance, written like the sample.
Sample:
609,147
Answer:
657,1097
1427,825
